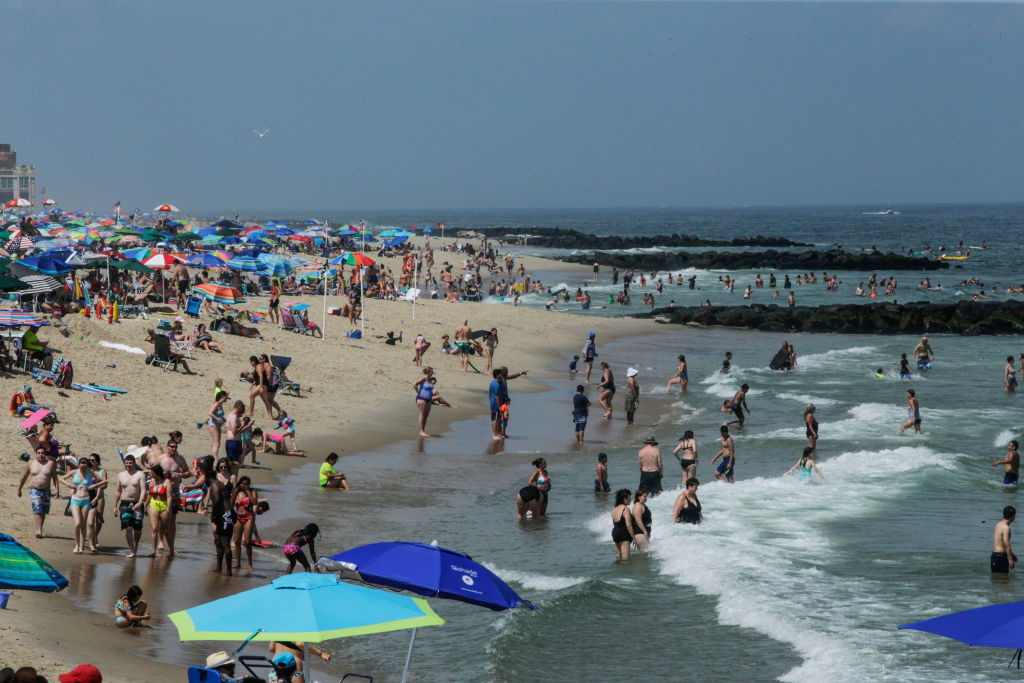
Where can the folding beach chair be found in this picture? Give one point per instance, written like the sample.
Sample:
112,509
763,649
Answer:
287,320
280,364
193,305
162,353
184,347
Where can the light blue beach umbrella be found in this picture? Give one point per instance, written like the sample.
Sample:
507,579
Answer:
275,270
246,264
304,606
22,568
211,241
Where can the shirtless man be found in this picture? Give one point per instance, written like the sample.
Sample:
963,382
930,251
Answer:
40,474
736,406
130,502
727,453
175,468
651,468
924,354
181,280
232,428
1003,558
222,517
463,342
1011,463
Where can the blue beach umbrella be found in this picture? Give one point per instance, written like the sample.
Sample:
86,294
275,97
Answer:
396,240
45,264
999,625
432,571
21,568
303,606
275,270
394,232
204,261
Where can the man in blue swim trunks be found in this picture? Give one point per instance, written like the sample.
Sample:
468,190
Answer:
727,452
40,473
1011,463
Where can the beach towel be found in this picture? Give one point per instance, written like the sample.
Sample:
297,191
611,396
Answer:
122,347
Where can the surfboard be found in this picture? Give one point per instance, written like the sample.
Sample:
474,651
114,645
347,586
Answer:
33,418
779,360
91,390
109,389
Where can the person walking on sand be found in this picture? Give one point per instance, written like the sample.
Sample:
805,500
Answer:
464,343
688,460
914,413
736,405
1003,558
682,377
232,428
222,517
1011,464
651,468
580,412
589,354
40,474
727,469
632,395
129,503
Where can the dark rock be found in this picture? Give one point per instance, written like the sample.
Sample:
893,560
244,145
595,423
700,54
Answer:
804,261
919,317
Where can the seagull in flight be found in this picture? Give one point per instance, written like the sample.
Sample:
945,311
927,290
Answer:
259,134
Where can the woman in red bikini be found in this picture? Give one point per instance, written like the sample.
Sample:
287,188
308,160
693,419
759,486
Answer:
243,501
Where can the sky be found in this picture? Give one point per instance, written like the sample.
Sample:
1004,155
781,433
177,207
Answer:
407,105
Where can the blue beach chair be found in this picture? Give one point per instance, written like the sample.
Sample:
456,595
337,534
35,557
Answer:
193,306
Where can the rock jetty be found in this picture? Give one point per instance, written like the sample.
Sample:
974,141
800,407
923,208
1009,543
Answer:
919,317
801,261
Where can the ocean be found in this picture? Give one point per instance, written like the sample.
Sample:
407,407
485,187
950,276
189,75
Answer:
784,580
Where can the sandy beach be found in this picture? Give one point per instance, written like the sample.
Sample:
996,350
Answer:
357,395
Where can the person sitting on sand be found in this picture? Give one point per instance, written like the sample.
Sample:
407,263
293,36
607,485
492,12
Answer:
329,477
151,337
204,340
129,610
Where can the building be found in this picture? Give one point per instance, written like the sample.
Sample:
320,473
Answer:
15,181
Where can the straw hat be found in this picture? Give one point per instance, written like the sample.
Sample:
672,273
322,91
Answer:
650,441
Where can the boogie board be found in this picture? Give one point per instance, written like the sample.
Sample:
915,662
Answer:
108,389
33,418
263,544
780,360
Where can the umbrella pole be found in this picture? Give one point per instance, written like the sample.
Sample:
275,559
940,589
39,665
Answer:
323,327
305,660
362,301
1015,657
408,656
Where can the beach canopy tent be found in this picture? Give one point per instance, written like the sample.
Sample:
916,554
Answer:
22,569
1000,625
427,570
303,607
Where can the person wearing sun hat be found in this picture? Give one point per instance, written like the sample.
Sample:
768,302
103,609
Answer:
651,469
222,663
632,394
83,673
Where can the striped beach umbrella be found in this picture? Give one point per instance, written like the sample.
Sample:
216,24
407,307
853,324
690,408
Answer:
140,254
222,255
14,318
21,568
247,264
219,292
162,261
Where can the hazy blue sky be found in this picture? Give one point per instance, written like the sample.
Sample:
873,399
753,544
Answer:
497,105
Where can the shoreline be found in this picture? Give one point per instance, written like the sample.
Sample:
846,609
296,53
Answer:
362,425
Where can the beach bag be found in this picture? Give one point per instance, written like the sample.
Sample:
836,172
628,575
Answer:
65,374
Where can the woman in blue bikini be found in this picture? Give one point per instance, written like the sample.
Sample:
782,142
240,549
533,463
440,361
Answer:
82,482
682,377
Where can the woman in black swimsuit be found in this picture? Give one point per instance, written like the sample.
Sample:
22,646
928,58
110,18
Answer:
687,508
811,424
641,520
607,387
622,525
257,382
271,383
688,459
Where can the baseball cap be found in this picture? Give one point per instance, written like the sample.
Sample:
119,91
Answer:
83,673
285,660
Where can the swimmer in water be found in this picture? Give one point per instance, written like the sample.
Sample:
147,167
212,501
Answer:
904,367
879,373
1003,558
682,376
914,409
924,354
1010,375
1011,464
807,466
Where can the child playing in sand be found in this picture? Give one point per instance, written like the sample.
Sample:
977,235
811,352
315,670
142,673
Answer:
572,366
129,610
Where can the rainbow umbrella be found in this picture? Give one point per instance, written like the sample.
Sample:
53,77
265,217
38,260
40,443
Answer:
219,292
353,259
223,255
22,568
